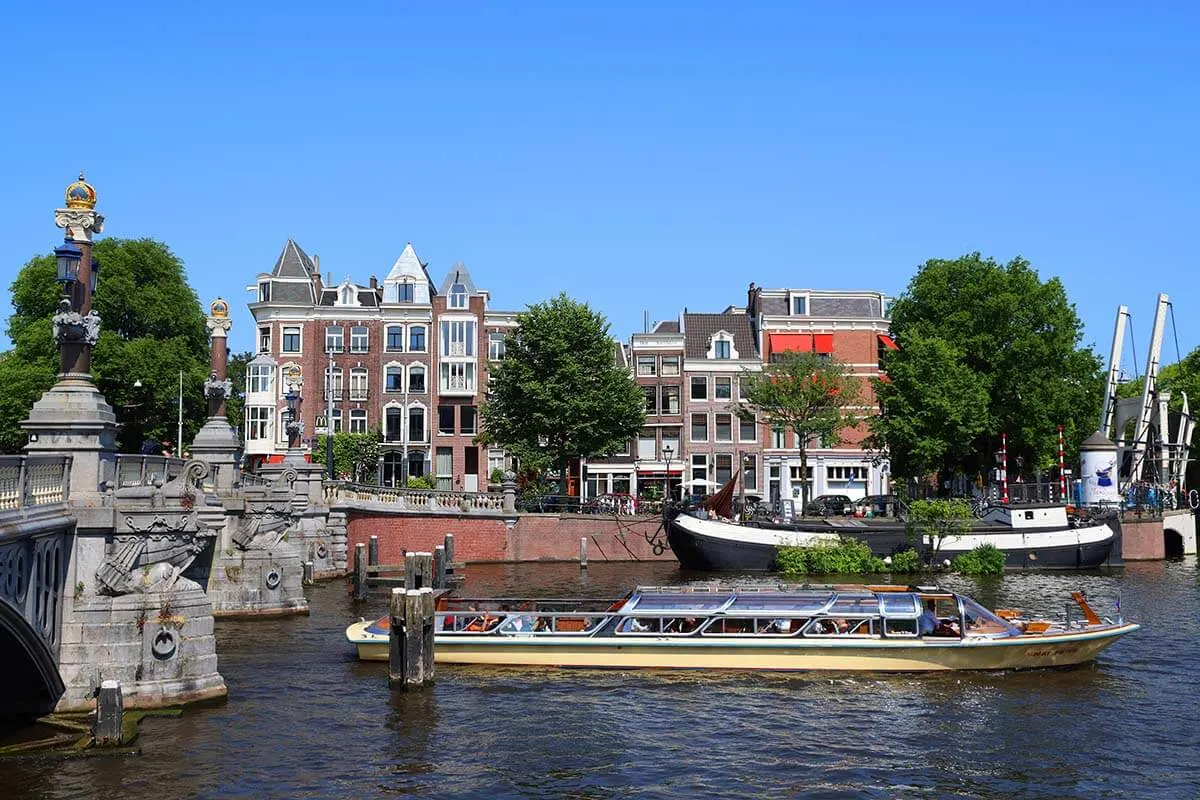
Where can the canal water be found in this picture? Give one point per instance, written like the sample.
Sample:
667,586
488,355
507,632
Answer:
305,719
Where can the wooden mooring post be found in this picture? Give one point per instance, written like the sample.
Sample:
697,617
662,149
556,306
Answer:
306,577
439,567
110,715
410,648
583,552
360,571
418,571
373,551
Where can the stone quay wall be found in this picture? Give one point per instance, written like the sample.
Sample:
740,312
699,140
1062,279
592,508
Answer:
483,537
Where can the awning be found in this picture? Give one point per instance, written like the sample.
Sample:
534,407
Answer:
789,343
823,343
887,342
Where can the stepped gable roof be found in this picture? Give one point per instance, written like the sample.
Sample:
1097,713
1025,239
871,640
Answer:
458,274
699,329
293,263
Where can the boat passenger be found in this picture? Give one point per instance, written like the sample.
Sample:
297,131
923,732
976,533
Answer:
928,622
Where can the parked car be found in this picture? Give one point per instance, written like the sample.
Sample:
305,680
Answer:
827,505
878,504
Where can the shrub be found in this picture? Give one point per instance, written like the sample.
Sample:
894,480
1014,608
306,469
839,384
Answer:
906,561
983,560
421,482
844,557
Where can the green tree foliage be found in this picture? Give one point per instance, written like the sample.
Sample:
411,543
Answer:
354,454
986,559
805,393
971,328
236,404
847,556
559,393
939,520
152,328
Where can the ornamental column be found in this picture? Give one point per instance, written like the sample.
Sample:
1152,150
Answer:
217,443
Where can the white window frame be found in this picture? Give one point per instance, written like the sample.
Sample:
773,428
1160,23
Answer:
283,337
717,427
360,384
334,335
806,298
457,296
417,367
424,329
387,338
495,346
692,427
458,338
695,381
394,368
647,366
662,400
354,339
358,420
670,366
258,423
722,380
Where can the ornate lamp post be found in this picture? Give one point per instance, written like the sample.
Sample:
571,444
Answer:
295,426
76,325
667,452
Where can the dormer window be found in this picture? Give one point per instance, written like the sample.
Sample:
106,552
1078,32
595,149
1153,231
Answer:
346,296
798,304
405,292
720,346
264,292
458,296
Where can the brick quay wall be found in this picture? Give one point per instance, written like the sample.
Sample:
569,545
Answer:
493,537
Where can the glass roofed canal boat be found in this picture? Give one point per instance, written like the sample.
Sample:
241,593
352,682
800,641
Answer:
880,628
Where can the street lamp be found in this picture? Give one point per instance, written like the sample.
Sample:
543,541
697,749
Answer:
667,452
67,257
295,428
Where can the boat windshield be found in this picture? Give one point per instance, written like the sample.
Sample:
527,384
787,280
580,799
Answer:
671,602
902,605
981,622
806,603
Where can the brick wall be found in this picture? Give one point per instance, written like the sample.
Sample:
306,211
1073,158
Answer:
531,537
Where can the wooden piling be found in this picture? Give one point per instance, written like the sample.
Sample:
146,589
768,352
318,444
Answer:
583,552
360,571
110,714
449,550
410,647
418,570
306,577
439,567
373,551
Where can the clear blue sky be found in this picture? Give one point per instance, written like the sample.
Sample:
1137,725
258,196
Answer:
643,157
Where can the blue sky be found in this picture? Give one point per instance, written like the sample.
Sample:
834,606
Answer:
640,156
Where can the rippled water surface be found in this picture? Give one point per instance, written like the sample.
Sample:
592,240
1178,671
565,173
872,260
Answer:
304,719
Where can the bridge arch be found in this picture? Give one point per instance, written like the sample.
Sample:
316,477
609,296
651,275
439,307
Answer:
1172,543
28,671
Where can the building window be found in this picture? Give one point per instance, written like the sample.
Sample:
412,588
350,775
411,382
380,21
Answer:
393,424
699,427
395,339
264,339
647,366
724,465
495,460
721,349
333,379
458,377
647,446
458,338
723,388
724,428
394,379
333,339
495,346
699,470
347,296
358,339
416,339
291,340
670,400
405,292
747,430
778,438
358,420
670,365
264,292
416,424
416,463
445,420
444,469
799,305
458,296
847,474
651,399
750,472
670,438
358,383
258,423
467,420
336,418
258,378
699,387
416,379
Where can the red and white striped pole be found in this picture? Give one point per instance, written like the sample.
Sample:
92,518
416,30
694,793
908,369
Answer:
1062,468
1004,468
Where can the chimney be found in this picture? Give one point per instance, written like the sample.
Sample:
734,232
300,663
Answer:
750,298
374,282
317,284
317,264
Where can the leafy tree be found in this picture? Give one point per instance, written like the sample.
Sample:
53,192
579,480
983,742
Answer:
235,405
354,454
939,520
559,392
1000,331
152,329
805,393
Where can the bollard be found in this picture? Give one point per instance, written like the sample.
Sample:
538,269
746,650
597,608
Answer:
373,551
583,552
418,570
410,646
439,567
360,571
307,577
110,712
449,552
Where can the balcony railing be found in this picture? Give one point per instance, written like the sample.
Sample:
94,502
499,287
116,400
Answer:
33,481
417,499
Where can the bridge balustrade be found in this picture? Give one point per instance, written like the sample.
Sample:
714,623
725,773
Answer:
33,480
416,498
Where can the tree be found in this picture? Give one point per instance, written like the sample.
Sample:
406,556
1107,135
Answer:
152,329
235,404
805,393
354,454
939,520
559,392
1000,331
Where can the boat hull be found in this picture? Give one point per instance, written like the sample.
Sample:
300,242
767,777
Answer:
786,655
714,546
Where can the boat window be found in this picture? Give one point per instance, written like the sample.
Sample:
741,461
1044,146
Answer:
807,603
838,626
646,625
900,627
900,605
981,622
855,605
674,602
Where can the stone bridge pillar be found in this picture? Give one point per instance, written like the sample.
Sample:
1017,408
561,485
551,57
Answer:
217,443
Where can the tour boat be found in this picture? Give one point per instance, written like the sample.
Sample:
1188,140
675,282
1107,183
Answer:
1035,536
878,628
